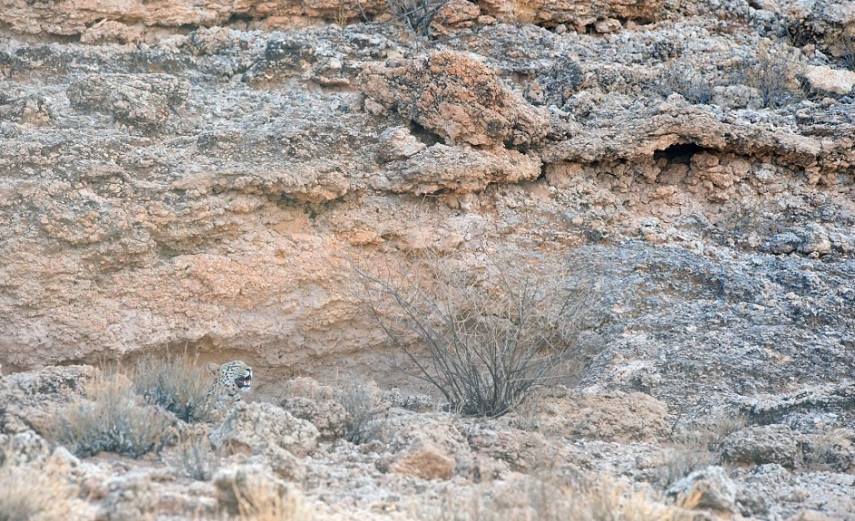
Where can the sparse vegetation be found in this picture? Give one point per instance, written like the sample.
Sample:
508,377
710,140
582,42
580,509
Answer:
264,501
417,15
177,384
487,336
847,45
687,82
358,400
195,458
772,75
110,419
682,460
27,494
548,499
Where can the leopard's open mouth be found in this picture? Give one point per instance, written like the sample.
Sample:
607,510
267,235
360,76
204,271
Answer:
243,382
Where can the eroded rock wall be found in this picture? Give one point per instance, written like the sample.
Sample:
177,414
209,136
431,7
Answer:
211,188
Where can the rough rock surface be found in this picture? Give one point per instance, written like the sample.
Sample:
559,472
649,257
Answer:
269,433
203,176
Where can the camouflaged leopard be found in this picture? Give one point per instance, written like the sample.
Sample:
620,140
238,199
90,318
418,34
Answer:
233,378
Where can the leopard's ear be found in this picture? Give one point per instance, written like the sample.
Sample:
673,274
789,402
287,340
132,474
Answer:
213,368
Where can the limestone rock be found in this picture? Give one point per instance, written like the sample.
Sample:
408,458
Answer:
460,170
551,13
456,97
23,448
397,143
252,427
834,81
145,101
614,416
762,444
239,484
708,488
425,462
29,400
328,416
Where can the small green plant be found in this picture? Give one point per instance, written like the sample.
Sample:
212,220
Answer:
483,338
111,419
176,384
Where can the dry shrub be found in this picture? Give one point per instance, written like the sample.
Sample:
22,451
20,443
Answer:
27,494
772,74
682,460
545,500
195,458
358,400
686,81
264,501
484,336
177,384
417,15
110,419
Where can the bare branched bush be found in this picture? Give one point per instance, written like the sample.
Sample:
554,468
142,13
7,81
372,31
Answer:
29,494
177,384
417,15
110,419
484,337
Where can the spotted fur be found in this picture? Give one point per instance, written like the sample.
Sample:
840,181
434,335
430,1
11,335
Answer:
233,378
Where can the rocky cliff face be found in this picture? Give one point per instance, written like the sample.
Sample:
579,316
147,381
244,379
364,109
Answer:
208,186
203,174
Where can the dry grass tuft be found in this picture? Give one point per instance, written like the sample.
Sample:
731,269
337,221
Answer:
544,500
773,75
110,419
195,458
359,402
266,502
177,384
28,494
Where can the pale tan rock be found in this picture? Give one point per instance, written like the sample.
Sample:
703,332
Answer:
707,488
237,484
30,400
457,98
144,101
826,79
460,169
328,416
425,462
254,426
613,416
551,13
75,17
112,31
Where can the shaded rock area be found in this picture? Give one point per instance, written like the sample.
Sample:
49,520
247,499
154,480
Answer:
205,176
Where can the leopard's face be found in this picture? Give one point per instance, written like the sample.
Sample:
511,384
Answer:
232,377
